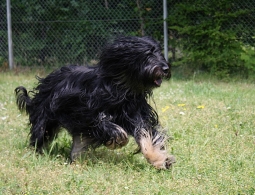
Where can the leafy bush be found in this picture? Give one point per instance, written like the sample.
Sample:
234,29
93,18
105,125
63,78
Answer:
209,37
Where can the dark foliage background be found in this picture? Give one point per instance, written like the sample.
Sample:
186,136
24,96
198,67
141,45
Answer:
212,36
69,31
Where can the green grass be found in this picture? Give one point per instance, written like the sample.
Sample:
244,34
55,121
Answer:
211,129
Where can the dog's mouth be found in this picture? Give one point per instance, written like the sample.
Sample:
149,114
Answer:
159,74
158,81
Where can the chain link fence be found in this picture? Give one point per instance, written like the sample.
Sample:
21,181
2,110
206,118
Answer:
246,23
3,35
235,17
47,32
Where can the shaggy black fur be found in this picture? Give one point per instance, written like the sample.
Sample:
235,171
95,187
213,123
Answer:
104,104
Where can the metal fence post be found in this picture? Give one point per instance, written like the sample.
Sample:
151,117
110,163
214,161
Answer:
10,48
165,30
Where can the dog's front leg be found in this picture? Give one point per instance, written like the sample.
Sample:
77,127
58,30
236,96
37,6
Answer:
153,149
114,135
117,136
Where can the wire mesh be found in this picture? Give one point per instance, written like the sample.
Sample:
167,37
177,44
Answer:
236,15
3,35
47,32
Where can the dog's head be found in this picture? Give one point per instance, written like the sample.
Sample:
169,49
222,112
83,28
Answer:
134,61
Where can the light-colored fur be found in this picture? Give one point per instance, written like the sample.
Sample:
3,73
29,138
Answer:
154,151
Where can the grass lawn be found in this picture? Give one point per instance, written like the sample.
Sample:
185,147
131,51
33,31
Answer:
211,128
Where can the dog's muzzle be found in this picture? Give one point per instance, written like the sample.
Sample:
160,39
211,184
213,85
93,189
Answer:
165,70
160,73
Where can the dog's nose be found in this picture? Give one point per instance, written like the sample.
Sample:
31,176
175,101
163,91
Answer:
165,68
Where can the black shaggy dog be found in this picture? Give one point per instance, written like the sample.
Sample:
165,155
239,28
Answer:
102,105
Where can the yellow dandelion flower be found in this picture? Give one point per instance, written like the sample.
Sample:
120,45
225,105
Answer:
165,108
181,105
201,107
216,126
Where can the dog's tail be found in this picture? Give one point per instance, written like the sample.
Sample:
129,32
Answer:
22,99
37,122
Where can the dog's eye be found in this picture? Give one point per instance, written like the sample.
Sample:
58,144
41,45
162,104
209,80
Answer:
152,49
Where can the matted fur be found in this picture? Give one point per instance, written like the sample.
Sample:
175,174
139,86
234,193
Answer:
103,104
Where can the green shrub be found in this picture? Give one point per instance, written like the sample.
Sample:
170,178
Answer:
210,39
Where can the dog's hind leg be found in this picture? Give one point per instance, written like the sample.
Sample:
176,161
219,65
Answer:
153,149
51,131
37,131
43,133
80,145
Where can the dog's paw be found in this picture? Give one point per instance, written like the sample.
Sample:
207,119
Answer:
169,161
116,143
165,163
